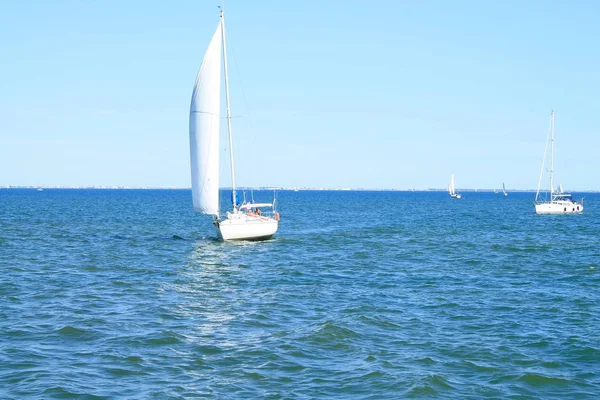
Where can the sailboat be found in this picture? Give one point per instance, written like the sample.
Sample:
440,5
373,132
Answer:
451,189
245,221
504,190
559,202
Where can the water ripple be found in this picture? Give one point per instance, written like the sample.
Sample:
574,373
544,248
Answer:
127,294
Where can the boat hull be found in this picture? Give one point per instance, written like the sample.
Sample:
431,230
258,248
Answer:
456,196
242,227
559,207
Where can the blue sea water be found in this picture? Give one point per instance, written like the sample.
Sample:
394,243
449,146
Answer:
367,295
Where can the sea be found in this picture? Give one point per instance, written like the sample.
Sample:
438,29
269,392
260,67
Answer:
127,294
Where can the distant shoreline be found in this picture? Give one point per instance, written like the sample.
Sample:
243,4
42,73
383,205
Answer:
281,189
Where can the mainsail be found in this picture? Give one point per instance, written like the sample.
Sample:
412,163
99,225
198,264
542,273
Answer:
204,130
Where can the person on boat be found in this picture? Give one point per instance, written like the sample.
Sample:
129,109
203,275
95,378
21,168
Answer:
257,211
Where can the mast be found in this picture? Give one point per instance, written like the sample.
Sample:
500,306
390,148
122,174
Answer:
233,195
550,134
552,155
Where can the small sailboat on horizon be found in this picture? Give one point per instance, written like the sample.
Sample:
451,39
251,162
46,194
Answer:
245,221
451,189
558,201
504,190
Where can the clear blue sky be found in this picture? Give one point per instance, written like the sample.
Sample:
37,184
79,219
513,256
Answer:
361,94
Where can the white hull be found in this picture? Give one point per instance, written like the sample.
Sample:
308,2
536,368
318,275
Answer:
559,207
240,226
456,196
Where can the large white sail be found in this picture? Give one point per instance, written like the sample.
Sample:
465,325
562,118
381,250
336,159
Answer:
204,130
451,187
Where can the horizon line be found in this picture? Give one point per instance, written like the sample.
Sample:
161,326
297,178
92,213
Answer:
287,188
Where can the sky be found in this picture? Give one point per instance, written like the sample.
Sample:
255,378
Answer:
330,94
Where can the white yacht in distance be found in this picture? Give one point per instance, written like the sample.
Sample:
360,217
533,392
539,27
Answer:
558,201
246,221
451,189
504,190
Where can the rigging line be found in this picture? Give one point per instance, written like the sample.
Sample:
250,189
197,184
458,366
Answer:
249,156
239,75
543,162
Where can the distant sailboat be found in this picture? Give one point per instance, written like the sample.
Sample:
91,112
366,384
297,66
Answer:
504,190
559,202
245,221
451,189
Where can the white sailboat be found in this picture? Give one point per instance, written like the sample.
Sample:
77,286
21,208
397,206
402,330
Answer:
504,190
451,189
245,221
558,202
